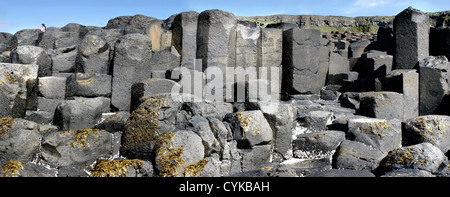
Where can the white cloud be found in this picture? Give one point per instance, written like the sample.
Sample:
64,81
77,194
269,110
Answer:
371,3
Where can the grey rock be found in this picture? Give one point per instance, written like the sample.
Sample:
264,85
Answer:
64,62
207,108
280,116
202,128
193,150
216,40
423,156
434,129
305,61
433,83
405,82
317,145
153,118
385,104
343,173
82,113
113,122
132,57
356,49
69,171
93,55
52,87
338,64
19,140
148,87
41,117
382,134
411,33
33,55
254,158
408,173
26,37
48,105
89,85
184,37
77,148
315,120
250,128
357,156
18,90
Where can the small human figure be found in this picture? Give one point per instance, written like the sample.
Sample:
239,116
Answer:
43,28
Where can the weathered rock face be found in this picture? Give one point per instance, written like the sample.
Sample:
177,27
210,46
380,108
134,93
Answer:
432,128
412,30
93,55
18,89
33,55
433,83
305,61
132,55
19,139
184,37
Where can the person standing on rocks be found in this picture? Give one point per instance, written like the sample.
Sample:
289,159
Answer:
43,28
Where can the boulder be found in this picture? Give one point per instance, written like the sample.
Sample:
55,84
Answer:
52,87
25,169
93,55
253,159
81,113
338,64
132,57
175,151
406,82
433,83
280,116
5,41
209,108
26,37
19,139
434,129
356,49
48,105
387,105
354,155
411,33
113,122
33,55
64,62
77,148
305,61
89,85
250,128
423,156
203,129
374,66
317,145
315,120
382,134
18,85
157,115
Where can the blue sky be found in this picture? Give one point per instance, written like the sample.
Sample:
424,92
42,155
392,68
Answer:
29,14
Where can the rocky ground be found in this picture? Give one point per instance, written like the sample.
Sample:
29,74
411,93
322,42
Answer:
96,101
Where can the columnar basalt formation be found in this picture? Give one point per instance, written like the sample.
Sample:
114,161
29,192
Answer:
214,94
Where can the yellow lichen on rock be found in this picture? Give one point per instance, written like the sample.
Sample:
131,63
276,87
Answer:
115,168
5,124
11,168
80,137
194,170
142,126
